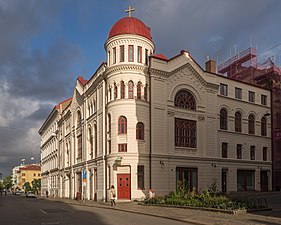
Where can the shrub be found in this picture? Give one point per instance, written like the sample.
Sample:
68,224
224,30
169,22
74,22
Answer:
208,198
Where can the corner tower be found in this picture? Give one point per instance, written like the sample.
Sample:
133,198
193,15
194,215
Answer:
128,47
129,41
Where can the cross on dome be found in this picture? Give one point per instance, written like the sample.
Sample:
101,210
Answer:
129,11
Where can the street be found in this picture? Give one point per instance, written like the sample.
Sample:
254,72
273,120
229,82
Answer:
19,210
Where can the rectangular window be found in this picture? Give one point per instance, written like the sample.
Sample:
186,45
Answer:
122,147
239,151
223,89
238,93
146,57
23,180
188,177
264,153
114,55
141,177
34,174
23,174
122,53
263,99
252,152
185,133
131,53
38,174
224,150
245,180
139,54
79,148
251,96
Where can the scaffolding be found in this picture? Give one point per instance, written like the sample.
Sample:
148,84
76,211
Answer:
267,74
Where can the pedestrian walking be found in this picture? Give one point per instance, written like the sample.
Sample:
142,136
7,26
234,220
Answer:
47,194
112,193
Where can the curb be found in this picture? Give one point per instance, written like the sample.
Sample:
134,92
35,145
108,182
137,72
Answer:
99,205
226,211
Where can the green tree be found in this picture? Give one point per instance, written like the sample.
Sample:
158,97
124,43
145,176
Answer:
8,182
27,187
36,185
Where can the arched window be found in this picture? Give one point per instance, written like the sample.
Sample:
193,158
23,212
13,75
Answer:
131,89
139,90
263,126
140,131
110,93
251,124
91,143
223,119
131,53
109,123
89,109
78,118
96,140
109,132
145,92
115,91
94,107
122,125
238,122
79,146
184,99
122,89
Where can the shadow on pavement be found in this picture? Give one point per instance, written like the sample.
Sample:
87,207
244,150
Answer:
17,210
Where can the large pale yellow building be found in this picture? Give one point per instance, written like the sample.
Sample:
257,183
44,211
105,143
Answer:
143,121
27,174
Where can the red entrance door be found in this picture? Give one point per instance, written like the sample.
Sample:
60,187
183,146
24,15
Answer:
124,186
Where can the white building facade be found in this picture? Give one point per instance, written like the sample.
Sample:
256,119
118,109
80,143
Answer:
143,122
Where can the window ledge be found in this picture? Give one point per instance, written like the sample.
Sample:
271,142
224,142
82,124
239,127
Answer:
186,149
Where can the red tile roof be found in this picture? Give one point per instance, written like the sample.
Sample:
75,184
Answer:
82,80
160,56
31,167
57,106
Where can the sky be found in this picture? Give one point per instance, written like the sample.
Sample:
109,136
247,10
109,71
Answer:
45,45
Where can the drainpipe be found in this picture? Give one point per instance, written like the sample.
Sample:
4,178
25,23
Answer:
104,142
272,135
150,126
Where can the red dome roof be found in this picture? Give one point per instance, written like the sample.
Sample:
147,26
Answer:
130,25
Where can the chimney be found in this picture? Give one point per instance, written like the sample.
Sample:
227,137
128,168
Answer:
211,66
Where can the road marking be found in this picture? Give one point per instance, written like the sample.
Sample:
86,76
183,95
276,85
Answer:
43,211
50,223
67,210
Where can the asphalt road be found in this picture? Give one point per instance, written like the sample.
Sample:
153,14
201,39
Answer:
18,210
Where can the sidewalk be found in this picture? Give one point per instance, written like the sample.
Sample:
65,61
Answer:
197,217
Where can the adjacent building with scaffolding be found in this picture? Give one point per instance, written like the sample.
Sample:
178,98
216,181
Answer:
245,67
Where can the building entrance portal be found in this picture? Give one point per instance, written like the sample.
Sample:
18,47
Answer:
264,180
124,186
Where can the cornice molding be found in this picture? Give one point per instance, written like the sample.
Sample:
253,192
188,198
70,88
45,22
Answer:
126,67
185,66
159,73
